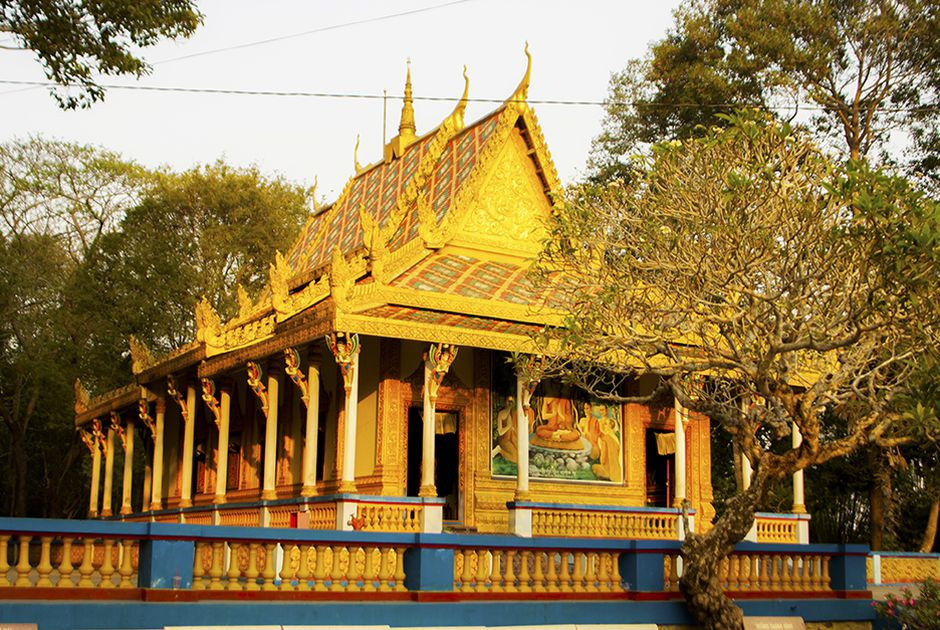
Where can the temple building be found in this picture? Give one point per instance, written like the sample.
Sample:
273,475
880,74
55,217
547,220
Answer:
384,379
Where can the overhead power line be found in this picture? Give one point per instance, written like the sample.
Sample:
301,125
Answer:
451,99
322,29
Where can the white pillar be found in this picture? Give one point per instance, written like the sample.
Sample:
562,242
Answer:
148,480
522,443
127,486
108,474
221,473
680,473
746,473
269,491
95,480
799,502
309,468
189,420
428,488
348,474
156,487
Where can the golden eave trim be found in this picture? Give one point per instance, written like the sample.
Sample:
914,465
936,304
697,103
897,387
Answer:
115,400
417,331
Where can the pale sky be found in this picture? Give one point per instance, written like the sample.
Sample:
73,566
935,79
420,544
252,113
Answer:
575,47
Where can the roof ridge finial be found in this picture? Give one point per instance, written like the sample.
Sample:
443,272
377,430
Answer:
457,115
522,92
406,129
356,156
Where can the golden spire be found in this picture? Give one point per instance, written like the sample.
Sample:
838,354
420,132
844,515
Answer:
406,128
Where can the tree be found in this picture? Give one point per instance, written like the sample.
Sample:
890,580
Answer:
191,235
764,286
864,68
77,40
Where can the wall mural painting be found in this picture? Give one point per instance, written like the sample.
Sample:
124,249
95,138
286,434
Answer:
572,436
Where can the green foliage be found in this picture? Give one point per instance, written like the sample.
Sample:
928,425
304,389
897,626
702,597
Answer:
77,40
921,612
865,68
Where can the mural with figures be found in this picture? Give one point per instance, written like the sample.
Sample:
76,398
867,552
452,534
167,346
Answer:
571,436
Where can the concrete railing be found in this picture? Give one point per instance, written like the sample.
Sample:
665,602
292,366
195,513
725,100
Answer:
603,521
900,567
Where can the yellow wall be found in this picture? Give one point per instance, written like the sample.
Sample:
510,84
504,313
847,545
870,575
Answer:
368,406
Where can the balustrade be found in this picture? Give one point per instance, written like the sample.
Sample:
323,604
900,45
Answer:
569,521
389,517
536,571
67,561
761,572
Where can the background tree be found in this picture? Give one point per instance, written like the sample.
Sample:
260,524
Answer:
862,69
765,286
77,40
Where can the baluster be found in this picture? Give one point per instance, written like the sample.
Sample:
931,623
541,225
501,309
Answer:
578,577
400,569
87,568
466,573
65,565
734,573
106,570
590,576
126,570
815,579
524,557
199,567
551,577
804,580
564,577
825,573
320,569
336,574
44,568
22,565
353,571
251,573
765,568
303,568
744,572
4,564
674,572
215,566
482,570
234,567
509,572
269,572
616,580
538,579
385,570
286,574
791,572
368,573
496,581
603,572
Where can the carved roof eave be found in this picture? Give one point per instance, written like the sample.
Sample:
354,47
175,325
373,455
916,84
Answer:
180,359
102,405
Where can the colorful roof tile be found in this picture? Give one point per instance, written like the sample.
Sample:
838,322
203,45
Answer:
458,274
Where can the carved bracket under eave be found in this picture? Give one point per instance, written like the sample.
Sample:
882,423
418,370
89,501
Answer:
254,382
173,392
208,397
292,369
118,429
143,412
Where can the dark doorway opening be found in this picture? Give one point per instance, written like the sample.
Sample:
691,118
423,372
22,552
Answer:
660,464
446,454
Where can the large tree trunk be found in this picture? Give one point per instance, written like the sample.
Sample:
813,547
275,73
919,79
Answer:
930,531
702,554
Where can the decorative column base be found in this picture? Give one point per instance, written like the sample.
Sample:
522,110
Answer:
106,513
308,491
269,495
520,519
428,492
346,487
185,503
156,507
432,517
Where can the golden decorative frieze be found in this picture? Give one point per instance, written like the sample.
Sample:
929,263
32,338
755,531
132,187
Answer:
88,439
141,357
82,397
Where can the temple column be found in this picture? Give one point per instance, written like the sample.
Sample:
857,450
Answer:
126,489
528,374
799,499
189,418
437,361
148,479
108,474
221,473
95,475
680,470
746,472
156,488
345,349
269,488
309,468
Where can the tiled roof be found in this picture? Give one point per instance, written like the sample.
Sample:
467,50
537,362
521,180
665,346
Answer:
451,320
457,274
378,189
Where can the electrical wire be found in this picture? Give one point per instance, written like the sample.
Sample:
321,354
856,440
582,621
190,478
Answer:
452,99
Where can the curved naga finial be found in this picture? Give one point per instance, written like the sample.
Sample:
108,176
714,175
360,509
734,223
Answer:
456,116
522,92
356,156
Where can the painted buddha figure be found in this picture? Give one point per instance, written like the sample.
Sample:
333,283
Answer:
558,428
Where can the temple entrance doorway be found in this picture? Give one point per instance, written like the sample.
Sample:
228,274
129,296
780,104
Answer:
660,464
446,456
